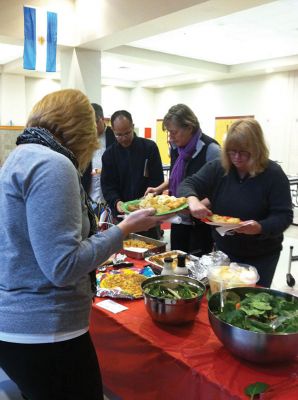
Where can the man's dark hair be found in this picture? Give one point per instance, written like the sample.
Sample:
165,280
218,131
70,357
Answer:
98,111
121,113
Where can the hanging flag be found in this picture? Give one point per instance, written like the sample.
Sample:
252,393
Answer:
40,39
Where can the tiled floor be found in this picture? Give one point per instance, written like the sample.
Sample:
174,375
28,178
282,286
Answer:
279,280
9,391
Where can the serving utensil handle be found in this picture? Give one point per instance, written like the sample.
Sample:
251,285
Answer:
290,259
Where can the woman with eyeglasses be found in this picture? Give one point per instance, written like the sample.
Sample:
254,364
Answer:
246,184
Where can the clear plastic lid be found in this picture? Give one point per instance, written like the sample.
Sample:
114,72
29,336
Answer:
234,273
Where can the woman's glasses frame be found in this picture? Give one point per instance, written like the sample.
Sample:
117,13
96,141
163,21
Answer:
240,153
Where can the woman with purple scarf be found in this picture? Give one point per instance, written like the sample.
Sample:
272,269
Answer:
190,149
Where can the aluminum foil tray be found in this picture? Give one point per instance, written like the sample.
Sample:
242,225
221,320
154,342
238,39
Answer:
140,254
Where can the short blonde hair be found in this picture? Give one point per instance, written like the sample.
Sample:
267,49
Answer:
246,135
182,116
69,116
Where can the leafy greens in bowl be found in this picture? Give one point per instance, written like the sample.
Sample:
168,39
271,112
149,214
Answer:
172,299
259,312
257,324
181,291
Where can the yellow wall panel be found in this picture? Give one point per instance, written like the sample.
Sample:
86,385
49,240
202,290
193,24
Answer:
162,143
222,125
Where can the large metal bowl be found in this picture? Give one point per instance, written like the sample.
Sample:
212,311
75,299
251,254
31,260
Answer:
253,346
172,311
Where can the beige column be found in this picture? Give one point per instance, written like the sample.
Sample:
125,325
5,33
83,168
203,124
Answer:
12,100
81,69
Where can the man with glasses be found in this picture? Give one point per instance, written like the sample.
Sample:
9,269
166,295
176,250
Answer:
129,166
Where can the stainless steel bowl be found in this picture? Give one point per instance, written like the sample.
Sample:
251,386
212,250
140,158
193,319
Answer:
253,346
172,311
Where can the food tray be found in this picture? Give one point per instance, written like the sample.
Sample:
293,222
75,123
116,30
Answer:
157,260
196,270
160,247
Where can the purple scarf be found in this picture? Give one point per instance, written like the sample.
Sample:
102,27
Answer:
185,154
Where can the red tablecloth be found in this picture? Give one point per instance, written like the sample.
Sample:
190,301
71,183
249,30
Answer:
142,360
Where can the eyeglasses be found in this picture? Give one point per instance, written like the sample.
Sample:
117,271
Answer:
122,135
240,153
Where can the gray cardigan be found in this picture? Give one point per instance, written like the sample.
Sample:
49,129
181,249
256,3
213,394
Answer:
45,251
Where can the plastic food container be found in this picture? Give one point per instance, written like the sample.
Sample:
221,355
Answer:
233,275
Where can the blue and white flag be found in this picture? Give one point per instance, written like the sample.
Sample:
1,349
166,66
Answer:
40,39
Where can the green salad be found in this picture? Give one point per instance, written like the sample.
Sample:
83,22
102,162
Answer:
260,312
178,292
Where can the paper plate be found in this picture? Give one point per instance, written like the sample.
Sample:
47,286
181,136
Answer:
225,224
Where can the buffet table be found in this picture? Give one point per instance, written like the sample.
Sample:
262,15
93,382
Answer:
142,360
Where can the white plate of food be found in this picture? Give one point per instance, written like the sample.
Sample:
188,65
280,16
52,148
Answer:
222,220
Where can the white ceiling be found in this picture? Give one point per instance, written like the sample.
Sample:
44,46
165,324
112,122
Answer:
270,30
252,41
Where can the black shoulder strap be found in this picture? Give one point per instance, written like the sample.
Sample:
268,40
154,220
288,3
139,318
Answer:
207,139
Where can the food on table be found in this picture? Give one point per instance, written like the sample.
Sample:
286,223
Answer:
162,203
223,219
173,291
258,311
130,282
159,258
138,244
96,171
233,275
133,207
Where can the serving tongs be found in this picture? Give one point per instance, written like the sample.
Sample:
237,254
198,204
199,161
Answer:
280,320
111,266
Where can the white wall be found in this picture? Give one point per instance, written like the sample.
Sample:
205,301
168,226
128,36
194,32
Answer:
142,104
272,99
138,101
36,89
18,94
114,98
12,99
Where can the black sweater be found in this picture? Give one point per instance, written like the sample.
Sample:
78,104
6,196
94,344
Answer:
265,198
127,172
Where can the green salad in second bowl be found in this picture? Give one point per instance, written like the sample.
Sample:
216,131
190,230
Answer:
260,312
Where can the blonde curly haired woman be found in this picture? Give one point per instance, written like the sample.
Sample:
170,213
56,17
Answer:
49,250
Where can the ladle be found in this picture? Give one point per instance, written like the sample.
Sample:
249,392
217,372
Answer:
290,279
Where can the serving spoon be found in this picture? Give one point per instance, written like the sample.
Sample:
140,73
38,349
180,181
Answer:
290,279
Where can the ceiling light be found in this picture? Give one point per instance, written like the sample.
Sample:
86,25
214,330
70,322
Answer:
269,70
